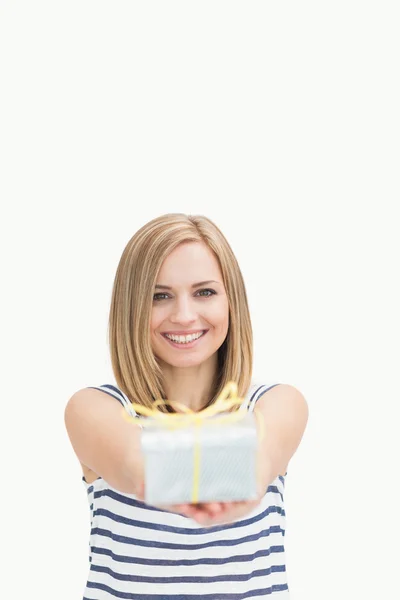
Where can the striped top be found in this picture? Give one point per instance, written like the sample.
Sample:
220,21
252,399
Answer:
139,552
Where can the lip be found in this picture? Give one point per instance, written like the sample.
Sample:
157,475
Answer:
189,344
184,332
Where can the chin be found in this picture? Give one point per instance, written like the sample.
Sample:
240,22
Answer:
184,362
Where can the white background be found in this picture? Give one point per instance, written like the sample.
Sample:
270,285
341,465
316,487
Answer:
279,121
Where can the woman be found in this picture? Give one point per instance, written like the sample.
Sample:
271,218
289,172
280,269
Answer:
180,329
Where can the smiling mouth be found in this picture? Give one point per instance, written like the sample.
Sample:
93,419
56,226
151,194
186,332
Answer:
183,343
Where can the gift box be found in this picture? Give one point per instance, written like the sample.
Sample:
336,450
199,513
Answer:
211,462
205,456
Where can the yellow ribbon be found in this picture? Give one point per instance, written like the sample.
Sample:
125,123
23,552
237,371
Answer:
189,417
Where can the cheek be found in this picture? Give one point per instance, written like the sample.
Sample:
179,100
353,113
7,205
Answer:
219,315
156,319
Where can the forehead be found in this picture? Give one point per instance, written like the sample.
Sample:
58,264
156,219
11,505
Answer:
194,261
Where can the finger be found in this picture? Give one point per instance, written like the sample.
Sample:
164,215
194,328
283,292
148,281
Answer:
173,508
181,508
214,508
206,511
192,510
228,506
202,517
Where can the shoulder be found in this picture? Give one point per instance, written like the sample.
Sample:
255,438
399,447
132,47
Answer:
110,389
286,405
283,402
285,392
257,389
89,399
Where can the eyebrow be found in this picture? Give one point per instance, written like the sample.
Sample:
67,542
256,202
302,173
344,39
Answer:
167,287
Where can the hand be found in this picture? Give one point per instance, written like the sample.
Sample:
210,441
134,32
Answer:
219,513
211,513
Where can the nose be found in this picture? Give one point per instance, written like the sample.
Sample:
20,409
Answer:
184,311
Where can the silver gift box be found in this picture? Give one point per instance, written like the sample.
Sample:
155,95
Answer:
227,470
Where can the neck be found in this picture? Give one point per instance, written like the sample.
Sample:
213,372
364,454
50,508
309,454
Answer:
191,386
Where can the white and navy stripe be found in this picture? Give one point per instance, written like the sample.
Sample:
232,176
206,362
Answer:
140,552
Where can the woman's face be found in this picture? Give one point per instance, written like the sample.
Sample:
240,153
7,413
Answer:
182,307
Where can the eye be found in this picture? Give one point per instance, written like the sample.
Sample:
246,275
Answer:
210,293
155,297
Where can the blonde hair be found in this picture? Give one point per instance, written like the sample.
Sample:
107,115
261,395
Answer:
134,365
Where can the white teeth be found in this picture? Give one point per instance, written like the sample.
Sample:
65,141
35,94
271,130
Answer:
184,339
